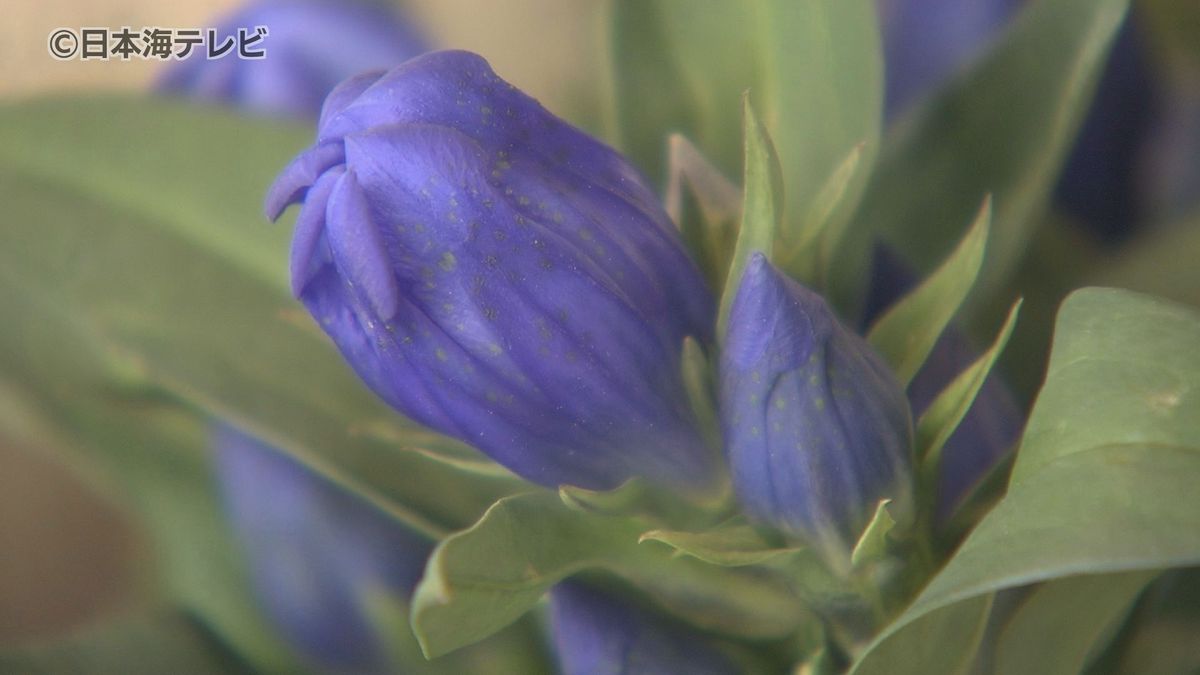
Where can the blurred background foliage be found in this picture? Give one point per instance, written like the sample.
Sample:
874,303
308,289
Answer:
70,550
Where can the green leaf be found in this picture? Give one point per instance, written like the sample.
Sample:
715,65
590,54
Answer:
705,205
872,545
1002,128
649,80
815,66
1065,622
156,270
156,643
1106,476
482,579
943,641
731,544
810,258
762,207
711,53
822,86
152,458
907,333
943,416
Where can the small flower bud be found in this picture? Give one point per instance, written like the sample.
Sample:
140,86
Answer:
496,274
595,632
816,427
314,550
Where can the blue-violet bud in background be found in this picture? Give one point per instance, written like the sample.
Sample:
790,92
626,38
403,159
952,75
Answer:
993,423
817,428
315,551
498,275
925,42
597,633
311,46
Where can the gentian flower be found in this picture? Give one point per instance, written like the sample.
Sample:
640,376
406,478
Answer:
596,633
992,425
311,46
817,428
498,275
314,550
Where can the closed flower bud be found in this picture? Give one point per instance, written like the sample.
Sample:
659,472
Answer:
993,423
315,552
499,276
310,46
596,633
816,426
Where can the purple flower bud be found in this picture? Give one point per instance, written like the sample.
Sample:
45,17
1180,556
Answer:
499,276
597,633
993,423
816,427
927,41
314,550
311,46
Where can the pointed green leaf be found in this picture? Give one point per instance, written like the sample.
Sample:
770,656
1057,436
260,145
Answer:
1064,622
762,207
482,579
872,545
810,256
705,205
731,544
815,66
907,333
1105,479
943,416
822,86
1003,128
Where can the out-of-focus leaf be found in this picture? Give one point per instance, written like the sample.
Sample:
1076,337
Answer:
809,258
482,579
135,238
942,641
1002,128
1162,263
160,642
762,207
705,205
906,334
649,78
814,67
1064,622
151,458
1106,476
731,544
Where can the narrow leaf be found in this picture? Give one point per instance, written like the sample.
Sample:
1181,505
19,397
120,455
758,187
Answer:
907,333
762,204
943,416
1064,622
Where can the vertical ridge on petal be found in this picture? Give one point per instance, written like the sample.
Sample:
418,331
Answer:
358,248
